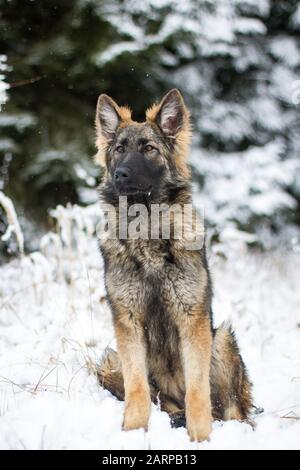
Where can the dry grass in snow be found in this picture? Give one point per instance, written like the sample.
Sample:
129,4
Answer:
55,324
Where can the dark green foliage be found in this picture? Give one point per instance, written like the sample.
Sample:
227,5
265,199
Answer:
235,62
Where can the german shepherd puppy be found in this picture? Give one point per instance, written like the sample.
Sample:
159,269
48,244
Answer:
159,291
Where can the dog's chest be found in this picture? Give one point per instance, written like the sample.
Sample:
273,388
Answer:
158,290
148,278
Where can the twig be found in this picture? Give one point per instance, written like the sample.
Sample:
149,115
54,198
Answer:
73,377
42,377
29,388
30,286
271,413
25,82
91,307
290,416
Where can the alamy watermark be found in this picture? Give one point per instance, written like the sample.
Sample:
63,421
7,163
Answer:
177,222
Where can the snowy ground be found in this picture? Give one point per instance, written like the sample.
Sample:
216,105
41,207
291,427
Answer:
54,325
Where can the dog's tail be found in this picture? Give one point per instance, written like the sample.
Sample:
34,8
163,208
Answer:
109,373
231,389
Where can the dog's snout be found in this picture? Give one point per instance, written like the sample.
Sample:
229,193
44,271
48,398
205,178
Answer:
122,174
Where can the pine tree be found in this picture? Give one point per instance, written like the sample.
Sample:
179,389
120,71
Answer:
236,62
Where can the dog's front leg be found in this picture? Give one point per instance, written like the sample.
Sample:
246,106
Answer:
132,353
196,340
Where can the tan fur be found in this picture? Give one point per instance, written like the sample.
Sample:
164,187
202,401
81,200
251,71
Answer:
182,141
183,138
124,113
229,378
196,354
160,296
221,373
133,360
110,376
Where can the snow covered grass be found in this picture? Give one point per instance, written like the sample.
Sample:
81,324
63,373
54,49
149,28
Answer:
3,84
55,324
13,222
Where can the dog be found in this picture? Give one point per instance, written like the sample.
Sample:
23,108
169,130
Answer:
159,291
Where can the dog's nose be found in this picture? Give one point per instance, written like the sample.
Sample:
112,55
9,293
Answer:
122,174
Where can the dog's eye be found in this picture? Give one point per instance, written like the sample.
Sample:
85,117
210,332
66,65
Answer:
120,149
148,148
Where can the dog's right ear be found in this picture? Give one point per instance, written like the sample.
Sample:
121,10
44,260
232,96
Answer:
109,117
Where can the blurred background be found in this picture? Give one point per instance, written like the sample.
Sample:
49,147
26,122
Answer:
237,63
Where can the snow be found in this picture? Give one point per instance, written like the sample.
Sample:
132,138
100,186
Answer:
213,28
296,17
249,26
283,83
7,145
241,186
267,113
20,121
253,7
285,48
13,225
117,49
229,122
55,324
3,84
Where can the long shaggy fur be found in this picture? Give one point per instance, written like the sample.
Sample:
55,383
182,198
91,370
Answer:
160,292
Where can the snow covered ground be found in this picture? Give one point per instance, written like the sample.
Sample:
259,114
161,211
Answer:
55,324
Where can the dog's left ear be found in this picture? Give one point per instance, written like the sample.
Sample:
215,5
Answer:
173,119
170,114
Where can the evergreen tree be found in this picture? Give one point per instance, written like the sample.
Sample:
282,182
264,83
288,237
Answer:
237,63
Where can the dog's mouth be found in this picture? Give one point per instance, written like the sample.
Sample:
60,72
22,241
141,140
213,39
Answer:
134,190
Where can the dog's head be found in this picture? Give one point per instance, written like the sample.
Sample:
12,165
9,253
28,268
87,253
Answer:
141,157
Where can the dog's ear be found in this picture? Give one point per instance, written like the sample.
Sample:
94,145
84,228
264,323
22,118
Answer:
170,114
109,116
173,119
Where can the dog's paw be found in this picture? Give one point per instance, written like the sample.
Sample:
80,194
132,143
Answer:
199,430
137,415
198,416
